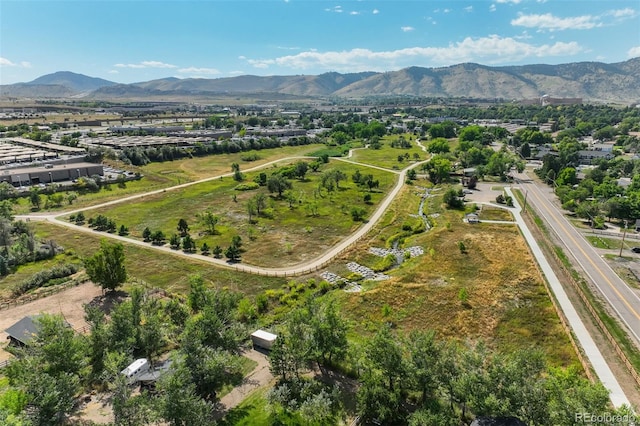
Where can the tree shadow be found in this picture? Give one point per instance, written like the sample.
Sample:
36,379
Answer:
107,301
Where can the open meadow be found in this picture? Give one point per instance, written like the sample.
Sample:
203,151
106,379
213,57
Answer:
299,225
492,291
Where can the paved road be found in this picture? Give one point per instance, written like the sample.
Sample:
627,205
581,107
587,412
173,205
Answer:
597,361
622,299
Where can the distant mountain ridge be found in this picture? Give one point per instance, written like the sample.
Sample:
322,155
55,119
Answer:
591,81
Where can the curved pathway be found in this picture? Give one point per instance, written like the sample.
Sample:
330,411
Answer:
300,269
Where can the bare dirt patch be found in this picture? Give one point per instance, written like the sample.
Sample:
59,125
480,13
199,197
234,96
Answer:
68,303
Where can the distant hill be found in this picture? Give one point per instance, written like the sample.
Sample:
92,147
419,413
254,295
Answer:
61,84
75,82
591,81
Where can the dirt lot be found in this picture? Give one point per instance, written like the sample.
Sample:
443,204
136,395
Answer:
68,303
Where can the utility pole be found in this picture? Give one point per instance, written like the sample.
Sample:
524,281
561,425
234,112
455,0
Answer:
624,232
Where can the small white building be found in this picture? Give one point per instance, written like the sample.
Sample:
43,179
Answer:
263,339
136,369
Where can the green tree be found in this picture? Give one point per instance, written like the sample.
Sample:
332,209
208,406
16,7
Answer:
188,244
329,334
146,234
357,213
107,267
232,253
278,184
209,220
183,227
438,169
6,210
175,242
452,200
158,238
179,404
438,146
35,198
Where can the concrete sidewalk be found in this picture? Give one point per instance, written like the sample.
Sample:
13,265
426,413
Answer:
600,366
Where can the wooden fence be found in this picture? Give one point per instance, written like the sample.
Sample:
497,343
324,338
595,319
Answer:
44,293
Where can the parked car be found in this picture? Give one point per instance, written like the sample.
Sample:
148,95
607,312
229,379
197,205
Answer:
636,249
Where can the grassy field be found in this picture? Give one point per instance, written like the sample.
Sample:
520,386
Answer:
611,243
387,156
506,303
494,213
170,173
281,236
158,269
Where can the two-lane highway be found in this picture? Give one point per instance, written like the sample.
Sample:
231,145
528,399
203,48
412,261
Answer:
622,299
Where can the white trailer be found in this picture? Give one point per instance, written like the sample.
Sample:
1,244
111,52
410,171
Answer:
263,339
136,369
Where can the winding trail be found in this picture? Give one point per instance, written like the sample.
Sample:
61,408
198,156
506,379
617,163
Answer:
299,269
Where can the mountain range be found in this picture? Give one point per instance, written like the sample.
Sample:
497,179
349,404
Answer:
591,81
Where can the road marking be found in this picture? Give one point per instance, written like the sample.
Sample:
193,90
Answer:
596,268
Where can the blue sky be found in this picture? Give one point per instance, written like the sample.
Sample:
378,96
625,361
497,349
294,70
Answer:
138,40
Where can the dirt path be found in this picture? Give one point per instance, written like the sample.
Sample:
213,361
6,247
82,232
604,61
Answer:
260,376
299,269
68,303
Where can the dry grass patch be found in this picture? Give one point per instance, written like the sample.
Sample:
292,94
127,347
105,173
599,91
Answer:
493,291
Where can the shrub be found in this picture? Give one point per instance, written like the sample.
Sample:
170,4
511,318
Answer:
247,186
386,263
44,277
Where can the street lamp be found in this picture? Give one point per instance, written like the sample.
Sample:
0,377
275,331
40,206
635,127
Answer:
51,178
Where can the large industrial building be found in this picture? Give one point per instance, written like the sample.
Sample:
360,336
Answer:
49,173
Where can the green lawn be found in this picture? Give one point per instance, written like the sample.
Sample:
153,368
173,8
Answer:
387,156
610,243
283,235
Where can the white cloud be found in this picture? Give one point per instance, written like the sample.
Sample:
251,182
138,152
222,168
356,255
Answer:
634,52
492,8
622,13
4,62
492,50
354,13
146,64
114,72
509,1
375,11
550,22
199,71
407,29
446,10
336,9
468,9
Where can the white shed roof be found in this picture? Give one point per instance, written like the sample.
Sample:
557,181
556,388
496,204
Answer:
261,334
